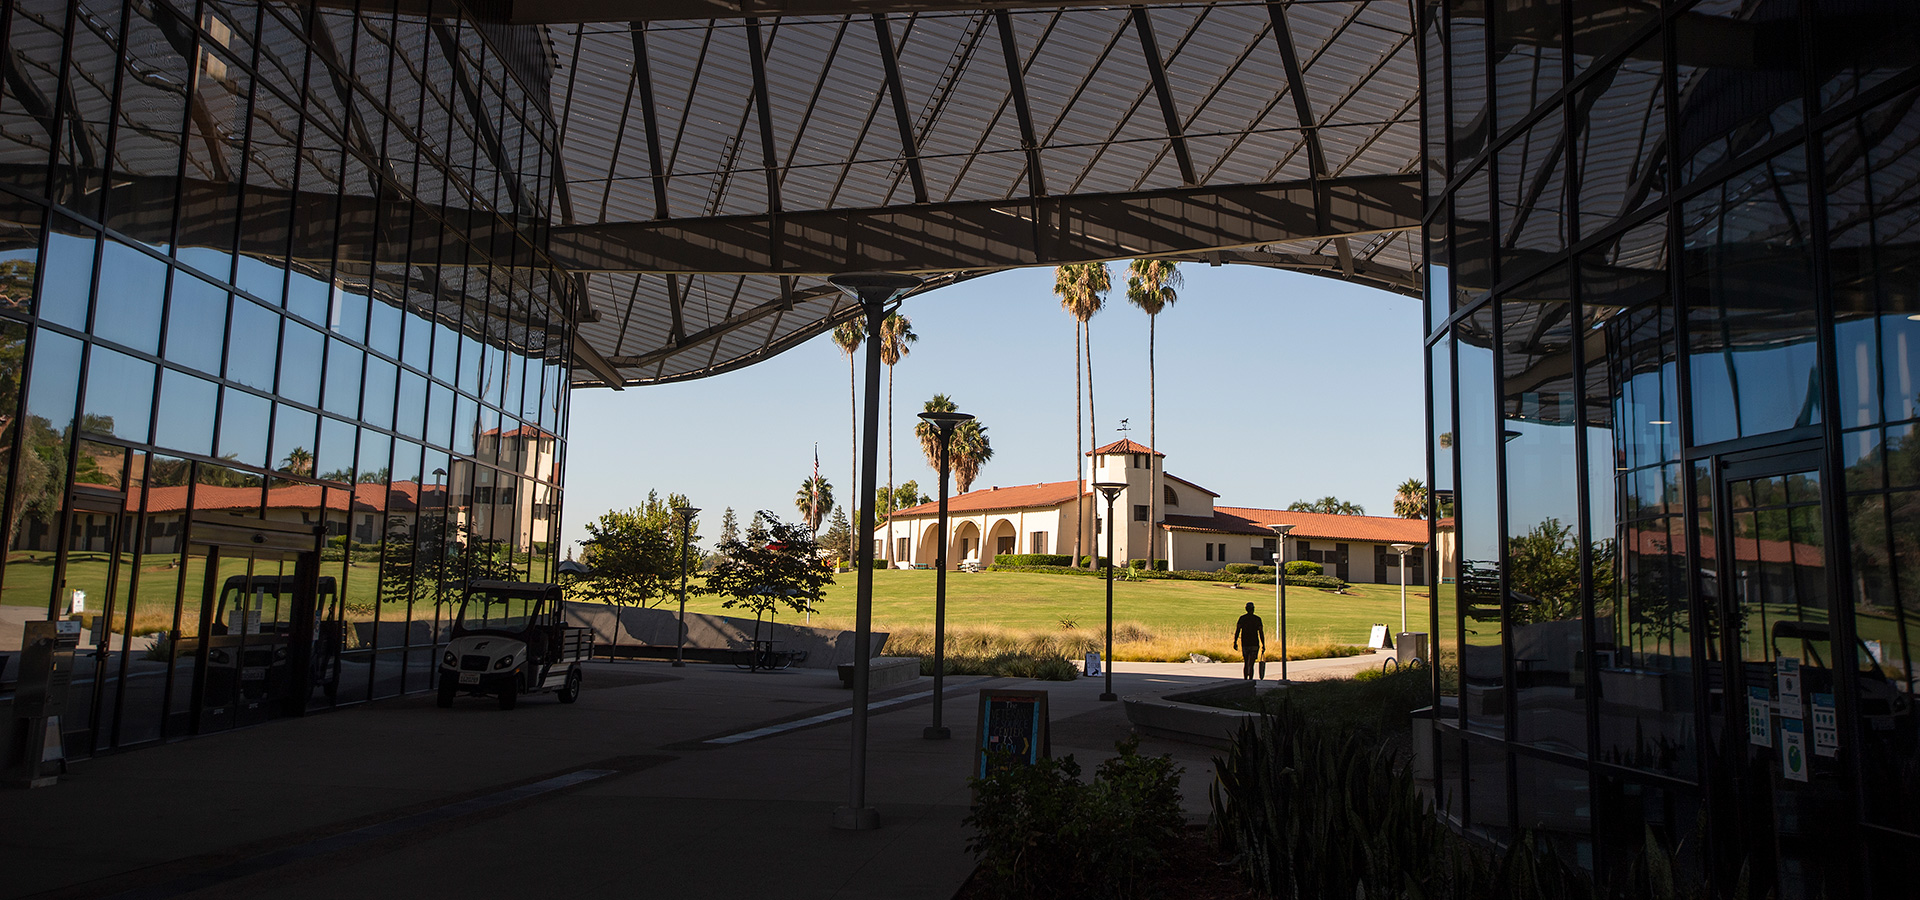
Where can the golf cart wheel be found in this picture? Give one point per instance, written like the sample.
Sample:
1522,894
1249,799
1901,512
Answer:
447,689
510,695
570,691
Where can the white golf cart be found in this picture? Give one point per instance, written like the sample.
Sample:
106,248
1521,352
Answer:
509,639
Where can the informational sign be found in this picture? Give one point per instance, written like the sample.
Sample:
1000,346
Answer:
1873,650
79,601
1786,675
1012,730
1793,750
1378,639
1826,726
1759,717
1093,663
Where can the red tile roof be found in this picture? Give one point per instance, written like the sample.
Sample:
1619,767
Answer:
1124,445
1317,526
1026,496
1172,477
404,497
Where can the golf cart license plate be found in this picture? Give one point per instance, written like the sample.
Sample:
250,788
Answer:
469,677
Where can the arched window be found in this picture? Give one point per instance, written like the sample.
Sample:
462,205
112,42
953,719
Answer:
1171,498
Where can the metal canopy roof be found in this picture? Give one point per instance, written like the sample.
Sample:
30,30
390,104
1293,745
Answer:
720,158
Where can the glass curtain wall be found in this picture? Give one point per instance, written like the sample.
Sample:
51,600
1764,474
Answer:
283,261
1674,338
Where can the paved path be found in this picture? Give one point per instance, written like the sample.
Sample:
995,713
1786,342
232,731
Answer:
625,793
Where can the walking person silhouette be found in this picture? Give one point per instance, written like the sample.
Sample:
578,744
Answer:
1252,633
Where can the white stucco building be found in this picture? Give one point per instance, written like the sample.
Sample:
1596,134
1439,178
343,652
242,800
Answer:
1187,526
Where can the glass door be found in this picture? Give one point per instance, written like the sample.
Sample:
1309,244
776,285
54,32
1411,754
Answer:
1779,719
257,644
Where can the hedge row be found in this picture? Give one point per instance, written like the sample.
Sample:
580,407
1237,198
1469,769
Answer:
1326,582
1296,567
1033,559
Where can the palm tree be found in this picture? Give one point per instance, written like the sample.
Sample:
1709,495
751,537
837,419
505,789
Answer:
967,450
848,336
1410,499
928,435
815,501
1330,505
971,450
1082,289
1151,285
896,338
299,461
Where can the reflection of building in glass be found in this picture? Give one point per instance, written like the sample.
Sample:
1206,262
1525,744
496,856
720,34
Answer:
280,265
1672,335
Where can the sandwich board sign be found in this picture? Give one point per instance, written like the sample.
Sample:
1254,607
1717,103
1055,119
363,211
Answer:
1011,730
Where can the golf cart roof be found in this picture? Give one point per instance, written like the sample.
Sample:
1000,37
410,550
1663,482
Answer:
520,588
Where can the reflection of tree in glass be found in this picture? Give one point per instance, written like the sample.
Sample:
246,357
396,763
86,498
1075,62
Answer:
634,556
16,285
299,461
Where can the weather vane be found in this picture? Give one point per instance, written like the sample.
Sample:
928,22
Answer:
1123,426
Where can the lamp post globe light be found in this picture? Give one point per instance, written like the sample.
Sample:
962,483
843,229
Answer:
1402,550
943,424
686,514
1109,490
1280,593
873,290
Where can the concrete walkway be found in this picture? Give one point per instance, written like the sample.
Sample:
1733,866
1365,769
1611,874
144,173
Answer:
628,792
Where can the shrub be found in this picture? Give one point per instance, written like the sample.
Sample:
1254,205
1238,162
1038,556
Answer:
1136,564
1240,569
1039,831
1305,567
1032,559
882,564
1043,570
1100,563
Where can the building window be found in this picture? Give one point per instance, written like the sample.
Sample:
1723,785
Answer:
902,543
1209,552
1037,542
1168,497
1096,525
1139,512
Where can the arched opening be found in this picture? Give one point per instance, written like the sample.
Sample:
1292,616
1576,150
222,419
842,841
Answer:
1003,538
966,543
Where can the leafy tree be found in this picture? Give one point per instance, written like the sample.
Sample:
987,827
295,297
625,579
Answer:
1152,285
1410,499
1082,289
776,565
848,336
1330,505
634,559
729,527
814,500
839,533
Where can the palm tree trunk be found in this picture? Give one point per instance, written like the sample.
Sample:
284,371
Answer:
890,461
853,450
1079,454
1093,437
1153,487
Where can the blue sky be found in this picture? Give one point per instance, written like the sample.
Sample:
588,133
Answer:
1273,387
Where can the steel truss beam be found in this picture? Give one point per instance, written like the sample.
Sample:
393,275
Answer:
573,12
969,236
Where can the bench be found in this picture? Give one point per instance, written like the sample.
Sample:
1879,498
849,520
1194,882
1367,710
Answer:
884,671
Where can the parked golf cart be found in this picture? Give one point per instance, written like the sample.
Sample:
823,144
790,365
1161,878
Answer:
509,639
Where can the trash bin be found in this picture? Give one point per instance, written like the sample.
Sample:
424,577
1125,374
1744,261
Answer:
1409,646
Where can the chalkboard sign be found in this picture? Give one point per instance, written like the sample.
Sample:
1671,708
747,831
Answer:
1012,729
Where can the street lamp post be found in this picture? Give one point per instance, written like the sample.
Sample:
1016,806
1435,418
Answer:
874,290
943,424
686,514
1280,593
1109,490
1402,550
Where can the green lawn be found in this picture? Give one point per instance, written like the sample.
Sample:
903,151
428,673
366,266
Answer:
1032,602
